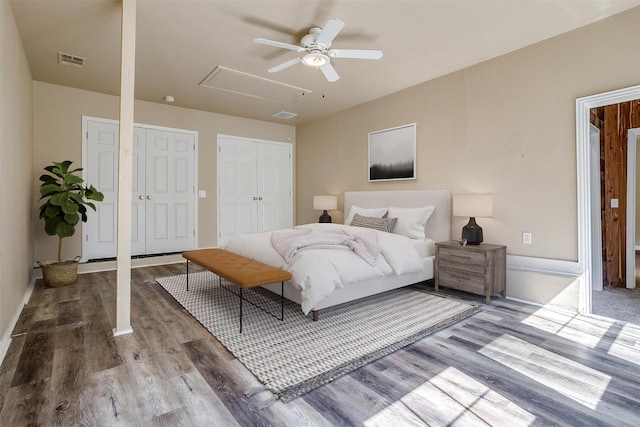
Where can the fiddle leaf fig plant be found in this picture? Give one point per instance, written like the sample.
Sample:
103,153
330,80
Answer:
66,200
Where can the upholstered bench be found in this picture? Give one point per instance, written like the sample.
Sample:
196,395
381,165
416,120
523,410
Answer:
241,271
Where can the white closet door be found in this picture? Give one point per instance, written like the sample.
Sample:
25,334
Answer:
254,186
275,210
99,232
237,188
138,211
170,191
163,190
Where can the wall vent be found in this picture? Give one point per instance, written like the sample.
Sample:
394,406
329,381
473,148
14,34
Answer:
71,60
284,115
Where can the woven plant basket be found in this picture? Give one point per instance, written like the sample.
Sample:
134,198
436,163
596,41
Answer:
57,274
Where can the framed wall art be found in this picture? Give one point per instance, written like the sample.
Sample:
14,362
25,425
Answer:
392,153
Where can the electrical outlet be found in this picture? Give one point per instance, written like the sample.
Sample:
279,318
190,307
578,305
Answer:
526,237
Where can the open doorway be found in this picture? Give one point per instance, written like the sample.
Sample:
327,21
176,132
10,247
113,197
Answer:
613,135
584,184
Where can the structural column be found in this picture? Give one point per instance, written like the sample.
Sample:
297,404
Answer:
125,166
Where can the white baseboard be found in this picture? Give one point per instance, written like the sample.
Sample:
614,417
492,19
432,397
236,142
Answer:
543,265
94,267
6,339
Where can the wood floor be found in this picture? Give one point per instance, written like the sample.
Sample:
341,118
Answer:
508,365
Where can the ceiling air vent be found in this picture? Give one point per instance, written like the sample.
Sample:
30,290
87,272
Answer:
71,60
284,115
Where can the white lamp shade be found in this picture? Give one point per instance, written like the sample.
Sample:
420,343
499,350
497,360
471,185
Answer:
325,203
473,205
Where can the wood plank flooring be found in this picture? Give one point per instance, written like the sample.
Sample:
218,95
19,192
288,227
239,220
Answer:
508,365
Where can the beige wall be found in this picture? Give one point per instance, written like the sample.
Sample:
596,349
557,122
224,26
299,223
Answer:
58,112
506,127
16,155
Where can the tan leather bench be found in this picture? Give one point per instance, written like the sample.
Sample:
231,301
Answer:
241,271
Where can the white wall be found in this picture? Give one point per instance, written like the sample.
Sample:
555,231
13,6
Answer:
58,112
505,127
16,157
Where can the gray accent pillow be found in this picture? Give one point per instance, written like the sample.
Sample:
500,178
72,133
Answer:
380,224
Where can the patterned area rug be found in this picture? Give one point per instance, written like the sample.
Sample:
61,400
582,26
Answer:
294,356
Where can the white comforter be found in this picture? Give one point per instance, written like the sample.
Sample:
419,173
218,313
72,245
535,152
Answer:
318,272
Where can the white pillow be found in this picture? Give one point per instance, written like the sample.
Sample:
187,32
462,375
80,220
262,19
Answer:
375,212
411,221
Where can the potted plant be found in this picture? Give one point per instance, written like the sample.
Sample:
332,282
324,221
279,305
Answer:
66,201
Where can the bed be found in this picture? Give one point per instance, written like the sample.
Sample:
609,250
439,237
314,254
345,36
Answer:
437,228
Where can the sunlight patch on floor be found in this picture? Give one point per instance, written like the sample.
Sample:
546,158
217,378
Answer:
452,398
590,332
567,326
571,379
626,345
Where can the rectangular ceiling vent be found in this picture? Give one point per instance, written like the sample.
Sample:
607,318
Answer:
284,115
240,83
71,60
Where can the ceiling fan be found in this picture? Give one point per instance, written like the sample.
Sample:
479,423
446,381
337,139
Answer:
316,44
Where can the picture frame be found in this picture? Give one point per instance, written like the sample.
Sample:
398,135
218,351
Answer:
392,154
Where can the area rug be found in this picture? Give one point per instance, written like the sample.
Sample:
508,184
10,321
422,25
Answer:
296,355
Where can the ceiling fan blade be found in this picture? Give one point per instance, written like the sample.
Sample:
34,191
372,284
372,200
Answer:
329,32
284,65
330,72
355,53
278,44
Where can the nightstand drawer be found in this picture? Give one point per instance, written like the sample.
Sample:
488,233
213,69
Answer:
462,266
462,256
461,280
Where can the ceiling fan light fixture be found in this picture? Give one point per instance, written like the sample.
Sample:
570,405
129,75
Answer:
315,59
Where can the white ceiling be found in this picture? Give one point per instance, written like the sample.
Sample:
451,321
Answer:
180,42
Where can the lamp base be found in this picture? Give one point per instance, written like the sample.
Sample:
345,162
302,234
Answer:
324,217
472,232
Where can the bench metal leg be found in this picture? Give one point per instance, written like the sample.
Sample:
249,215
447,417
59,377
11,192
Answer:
187,275
240,310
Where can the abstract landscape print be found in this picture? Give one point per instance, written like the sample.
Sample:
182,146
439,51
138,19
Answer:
392,153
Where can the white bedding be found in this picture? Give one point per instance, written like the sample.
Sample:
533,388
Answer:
318,272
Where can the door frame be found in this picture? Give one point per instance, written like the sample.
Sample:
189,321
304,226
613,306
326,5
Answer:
596,218
85,162
632,149
583,169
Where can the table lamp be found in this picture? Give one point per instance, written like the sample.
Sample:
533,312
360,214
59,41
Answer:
472,205
325,203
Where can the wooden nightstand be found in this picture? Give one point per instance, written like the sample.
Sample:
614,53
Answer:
479,269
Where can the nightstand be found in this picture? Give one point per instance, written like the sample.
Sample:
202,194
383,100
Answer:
478,269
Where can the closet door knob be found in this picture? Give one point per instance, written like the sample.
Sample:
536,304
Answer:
141,197
148,197
259,198
255,198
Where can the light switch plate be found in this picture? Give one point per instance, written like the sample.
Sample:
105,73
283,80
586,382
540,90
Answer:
202,194
614,203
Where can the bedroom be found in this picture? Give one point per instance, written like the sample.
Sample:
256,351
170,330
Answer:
490,127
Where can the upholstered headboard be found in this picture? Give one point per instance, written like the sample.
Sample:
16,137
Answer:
439,224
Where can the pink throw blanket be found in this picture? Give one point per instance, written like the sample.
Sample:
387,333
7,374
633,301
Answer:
363,243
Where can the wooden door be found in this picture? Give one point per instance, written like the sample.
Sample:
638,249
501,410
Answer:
237,187
170,191
275,200
255,186
163,190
